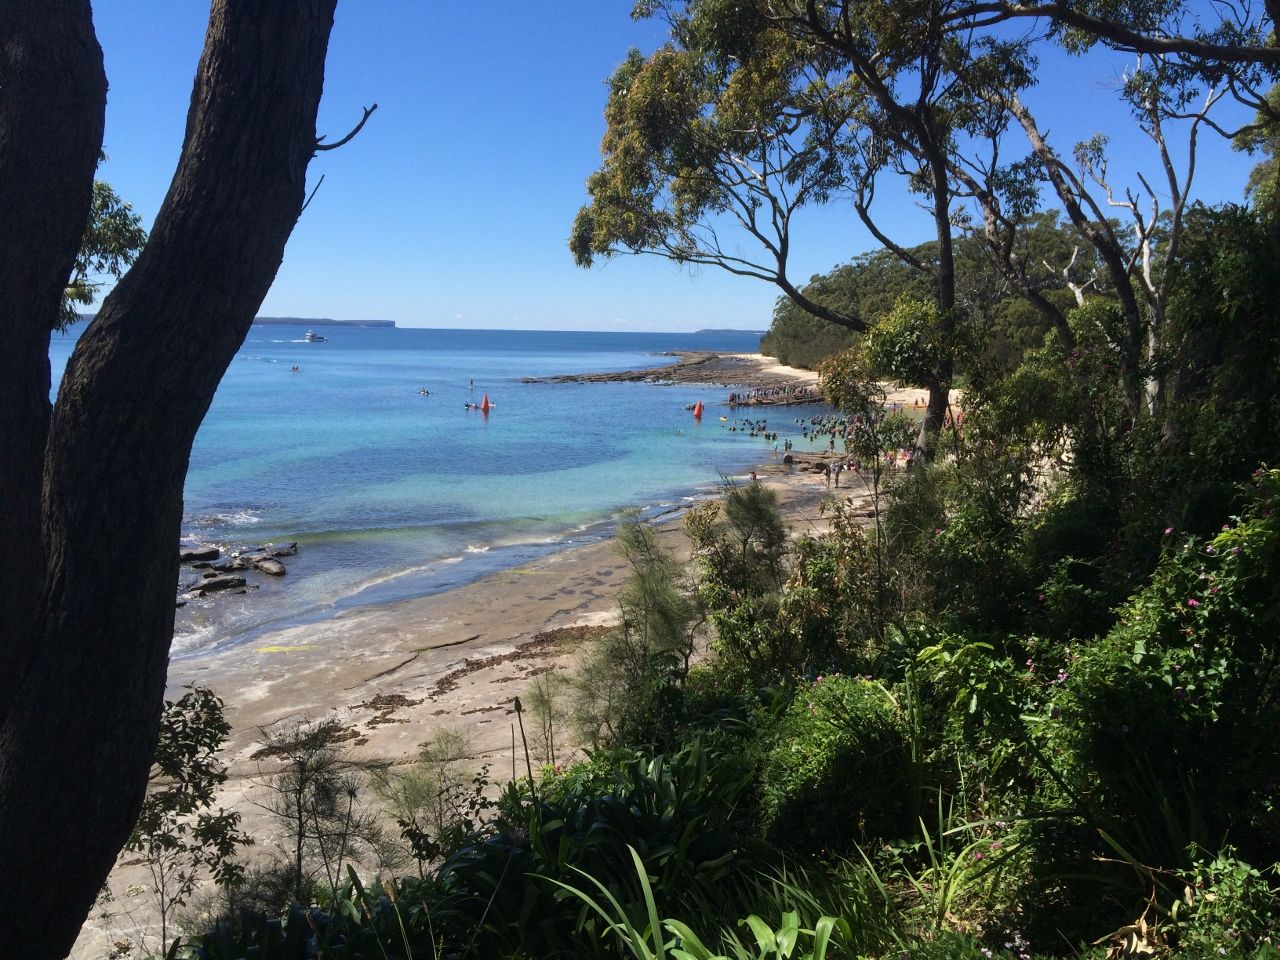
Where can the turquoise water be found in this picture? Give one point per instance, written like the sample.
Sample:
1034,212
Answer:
392,494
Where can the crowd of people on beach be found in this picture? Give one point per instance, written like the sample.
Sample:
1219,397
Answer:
833,429
791,393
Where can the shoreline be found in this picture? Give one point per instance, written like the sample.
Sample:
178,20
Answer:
394,673
224,621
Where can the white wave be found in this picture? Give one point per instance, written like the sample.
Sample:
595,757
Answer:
193,639
240,518
472,548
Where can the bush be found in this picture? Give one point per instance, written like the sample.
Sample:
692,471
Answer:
1164,729
676,812
835,773
1228,909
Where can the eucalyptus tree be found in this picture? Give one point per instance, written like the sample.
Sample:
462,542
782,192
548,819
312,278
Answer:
716,130
920,71
758,108
94,482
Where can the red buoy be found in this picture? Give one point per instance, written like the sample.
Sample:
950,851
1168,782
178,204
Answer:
697,410
484,404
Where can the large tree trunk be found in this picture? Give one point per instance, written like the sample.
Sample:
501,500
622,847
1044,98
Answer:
76,744
52,99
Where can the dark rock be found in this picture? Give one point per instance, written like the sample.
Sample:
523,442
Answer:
271,567
229,564
221,582
787,458
199,553
288,550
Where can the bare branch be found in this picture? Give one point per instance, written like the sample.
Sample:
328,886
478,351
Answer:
368,112
312,195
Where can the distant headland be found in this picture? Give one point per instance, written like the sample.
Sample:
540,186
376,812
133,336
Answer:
320,322
721,330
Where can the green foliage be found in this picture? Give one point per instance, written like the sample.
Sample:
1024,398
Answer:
1168,711
902,345
1003,326
1227,909
866,287
436,802
1223,348
617,690
835,604
680,125
112,240
741,546
649,942
675,811
834,773
180,833
317,798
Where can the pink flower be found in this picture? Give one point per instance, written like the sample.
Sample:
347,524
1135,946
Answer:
1168,530
1193,602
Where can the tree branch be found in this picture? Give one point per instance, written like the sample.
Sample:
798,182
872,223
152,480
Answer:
320,147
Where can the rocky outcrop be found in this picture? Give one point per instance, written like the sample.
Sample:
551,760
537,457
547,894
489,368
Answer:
217,582
219,573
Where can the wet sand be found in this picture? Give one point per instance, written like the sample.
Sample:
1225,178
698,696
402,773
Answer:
395,674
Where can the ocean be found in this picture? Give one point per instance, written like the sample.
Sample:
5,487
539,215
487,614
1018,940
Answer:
391,494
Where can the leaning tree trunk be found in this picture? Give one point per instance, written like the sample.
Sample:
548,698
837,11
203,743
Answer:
939,385
76,744
52,99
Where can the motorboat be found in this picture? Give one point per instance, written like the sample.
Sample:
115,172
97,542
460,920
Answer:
312,337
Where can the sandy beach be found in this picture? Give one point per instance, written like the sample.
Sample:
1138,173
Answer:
394,674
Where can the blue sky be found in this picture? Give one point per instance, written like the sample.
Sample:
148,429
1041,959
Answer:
452,207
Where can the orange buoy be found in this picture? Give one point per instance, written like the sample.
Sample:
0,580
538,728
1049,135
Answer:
484,404
697,410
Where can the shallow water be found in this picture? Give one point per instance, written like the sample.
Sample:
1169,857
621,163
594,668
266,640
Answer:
393,494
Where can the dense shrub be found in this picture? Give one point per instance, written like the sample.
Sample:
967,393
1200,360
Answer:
834,772
1173,713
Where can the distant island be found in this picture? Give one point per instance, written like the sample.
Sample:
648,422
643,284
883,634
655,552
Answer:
729,330
320,322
